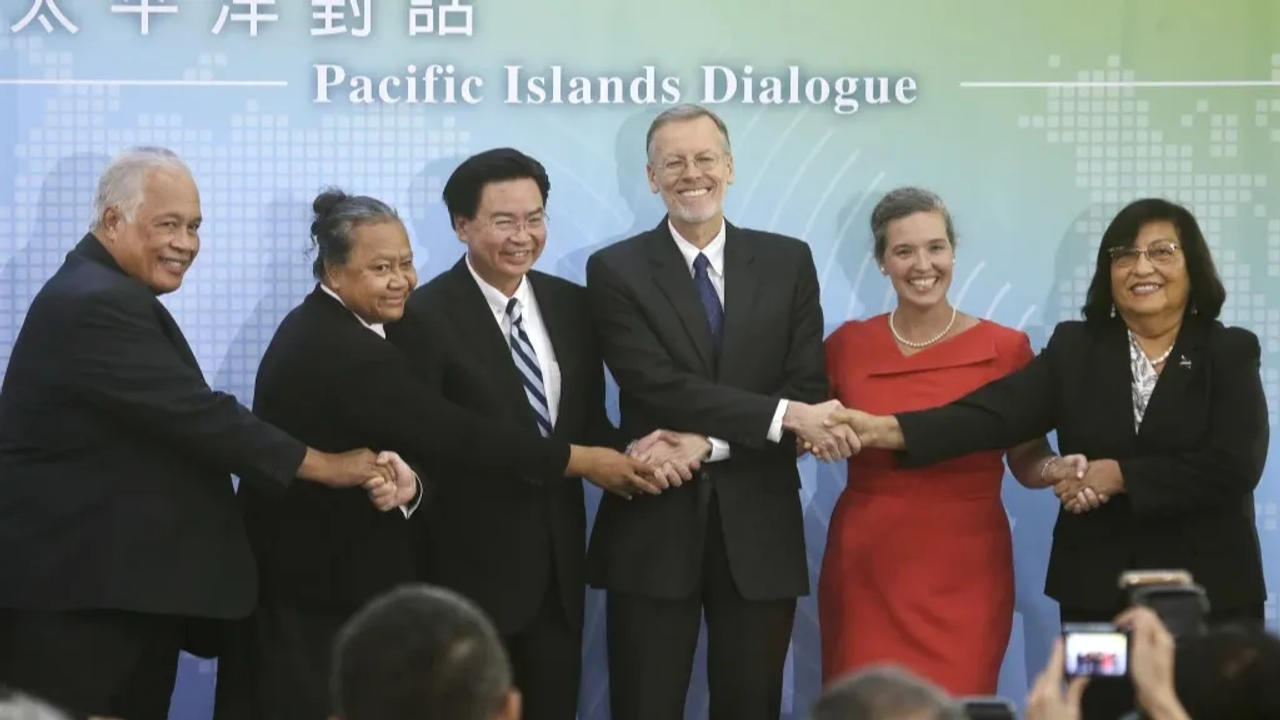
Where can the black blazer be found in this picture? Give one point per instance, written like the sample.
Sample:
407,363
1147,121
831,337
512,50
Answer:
1189,471
337,385
656,341
115,454
497,537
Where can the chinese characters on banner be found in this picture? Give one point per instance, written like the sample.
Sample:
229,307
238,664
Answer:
328,17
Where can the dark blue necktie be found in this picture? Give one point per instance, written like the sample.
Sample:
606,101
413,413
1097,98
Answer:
710,301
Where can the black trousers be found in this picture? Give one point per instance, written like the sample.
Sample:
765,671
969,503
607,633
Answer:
546,659
1108,698
651,645
93,662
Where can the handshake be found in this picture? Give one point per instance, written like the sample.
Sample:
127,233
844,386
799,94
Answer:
661,460
1082,484
830,431
833,432
385,476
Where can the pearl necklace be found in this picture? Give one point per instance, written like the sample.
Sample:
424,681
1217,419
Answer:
1153,360
930,341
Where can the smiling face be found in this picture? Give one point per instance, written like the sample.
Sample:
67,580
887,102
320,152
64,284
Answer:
376,280
919,258
690,167
159,243
507,234
1154,282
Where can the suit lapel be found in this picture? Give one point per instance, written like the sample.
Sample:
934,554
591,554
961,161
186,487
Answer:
1112,387
1185,360
676,282
174,333
483,340
740,291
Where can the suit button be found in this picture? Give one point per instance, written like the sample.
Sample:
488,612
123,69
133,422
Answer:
705,475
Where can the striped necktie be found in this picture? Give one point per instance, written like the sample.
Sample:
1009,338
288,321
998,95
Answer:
526,361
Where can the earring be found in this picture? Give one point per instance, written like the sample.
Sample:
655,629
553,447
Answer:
882,271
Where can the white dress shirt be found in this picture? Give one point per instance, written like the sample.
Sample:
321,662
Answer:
534,327
377,329
715,271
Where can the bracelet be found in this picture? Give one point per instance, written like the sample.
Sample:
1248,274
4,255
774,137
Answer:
1046,465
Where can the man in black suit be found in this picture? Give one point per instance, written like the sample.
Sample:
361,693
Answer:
516,344
712,329
119,528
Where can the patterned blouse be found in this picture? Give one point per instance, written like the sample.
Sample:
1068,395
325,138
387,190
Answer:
1144,374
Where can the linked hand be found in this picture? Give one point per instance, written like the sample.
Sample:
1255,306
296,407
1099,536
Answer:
349,469
399,491
828,441
1100,481
1066,475
675,457
612,471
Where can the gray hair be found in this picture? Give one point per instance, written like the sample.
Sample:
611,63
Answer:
123,182
336,215
885,693
678,113
899,203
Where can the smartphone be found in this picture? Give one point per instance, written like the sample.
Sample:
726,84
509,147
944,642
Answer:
1095,649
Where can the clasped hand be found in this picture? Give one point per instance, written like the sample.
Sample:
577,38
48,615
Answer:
395,484
822,430
1082,484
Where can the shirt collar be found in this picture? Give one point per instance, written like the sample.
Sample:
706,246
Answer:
375,327
497,299
714,249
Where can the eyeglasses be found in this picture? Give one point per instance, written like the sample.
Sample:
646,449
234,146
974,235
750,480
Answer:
1159,253
508,225
675,166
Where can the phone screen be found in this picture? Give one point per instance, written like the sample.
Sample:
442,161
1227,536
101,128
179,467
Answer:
1095,649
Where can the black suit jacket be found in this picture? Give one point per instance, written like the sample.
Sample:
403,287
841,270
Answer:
657,343
498,536
1189,471
115,454
337,385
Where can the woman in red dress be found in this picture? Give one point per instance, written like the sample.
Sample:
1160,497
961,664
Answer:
918,568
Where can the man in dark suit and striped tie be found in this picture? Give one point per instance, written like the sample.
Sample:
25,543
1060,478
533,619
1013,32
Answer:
516,344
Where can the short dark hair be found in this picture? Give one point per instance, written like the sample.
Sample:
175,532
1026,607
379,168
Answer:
899,203
415,653
1207,293
884,693
336,214
462,191
1229,672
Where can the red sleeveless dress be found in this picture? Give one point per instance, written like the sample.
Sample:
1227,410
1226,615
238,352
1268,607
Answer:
918,568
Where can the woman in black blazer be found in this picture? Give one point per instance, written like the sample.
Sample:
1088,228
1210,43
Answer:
1164,401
